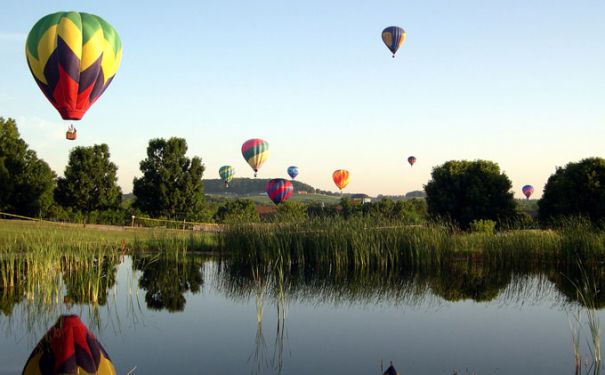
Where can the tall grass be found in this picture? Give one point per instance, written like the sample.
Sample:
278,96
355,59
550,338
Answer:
360,243
18,237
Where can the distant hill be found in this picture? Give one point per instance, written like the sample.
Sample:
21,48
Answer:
247,186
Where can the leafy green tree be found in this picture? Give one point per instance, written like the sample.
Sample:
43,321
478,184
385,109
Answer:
90,180
171,185
464,191
237,211
26,182
290,211
578,189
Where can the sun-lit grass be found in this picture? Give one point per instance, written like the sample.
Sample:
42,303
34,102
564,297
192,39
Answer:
20,237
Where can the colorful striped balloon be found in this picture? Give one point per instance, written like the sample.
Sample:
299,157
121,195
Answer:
279,190
73,58
528,190
393,37
256,152
292,171
226,172
341,178
69,348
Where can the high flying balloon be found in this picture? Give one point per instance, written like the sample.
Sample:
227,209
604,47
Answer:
393,37
226,172
528,190
256,152
279,190
412,160
73,58
341,178
292,172
69,348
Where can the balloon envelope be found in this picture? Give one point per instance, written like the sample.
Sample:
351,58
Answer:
279,190
256,152
69,348
73,58
293,171
341,178
412,160
226,172
528,190
393,37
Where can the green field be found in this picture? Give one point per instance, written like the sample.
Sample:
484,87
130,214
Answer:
264,199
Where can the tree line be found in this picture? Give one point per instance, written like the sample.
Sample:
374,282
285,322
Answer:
468,194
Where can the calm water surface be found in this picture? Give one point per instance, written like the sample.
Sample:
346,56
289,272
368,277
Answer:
202,316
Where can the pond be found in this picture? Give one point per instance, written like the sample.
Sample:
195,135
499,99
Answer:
192,315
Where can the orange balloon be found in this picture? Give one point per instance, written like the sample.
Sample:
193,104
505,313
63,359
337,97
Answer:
341,178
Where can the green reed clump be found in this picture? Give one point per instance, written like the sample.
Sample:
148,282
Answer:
360,242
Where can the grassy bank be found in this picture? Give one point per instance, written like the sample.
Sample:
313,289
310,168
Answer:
23,237
363,243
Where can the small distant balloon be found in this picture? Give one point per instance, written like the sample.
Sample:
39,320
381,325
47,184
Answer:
293,172
341,178
393,37
226,172
256,152
279,190
412,160
528,190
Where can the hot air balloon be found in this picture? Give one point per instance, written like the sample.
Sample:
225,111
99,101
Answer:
293,172
73,58
279,190
255,151
412,160
69,348
226,172
528,190
393,37
341,178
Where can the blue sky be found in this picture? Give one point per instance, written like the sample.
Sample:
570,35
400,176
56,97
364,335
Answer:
520,83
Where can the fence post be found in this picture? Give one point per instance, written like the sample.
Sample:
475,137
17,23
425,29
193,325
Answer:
132,222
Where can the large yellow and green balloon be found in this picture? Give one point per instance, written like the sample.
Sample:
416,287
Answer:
256,152
73,58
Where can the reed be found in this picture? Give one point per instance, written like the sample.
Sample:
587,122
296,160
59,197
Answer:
361,243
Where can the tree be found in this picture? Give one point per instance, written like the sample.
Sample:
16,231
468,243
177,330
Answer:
26,182
90,180
237,211
171,185
578,189
464,191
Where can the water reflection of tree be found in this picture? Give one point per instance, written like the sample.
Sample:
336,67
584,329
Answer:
469,280
572,279
167,279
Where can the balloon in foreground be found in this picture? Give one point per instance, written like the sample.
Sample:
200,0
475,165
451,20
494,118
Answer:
412,160
528,190
73,58
393,37
341,178
279,190
256,152
293,172
69,348
226,172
